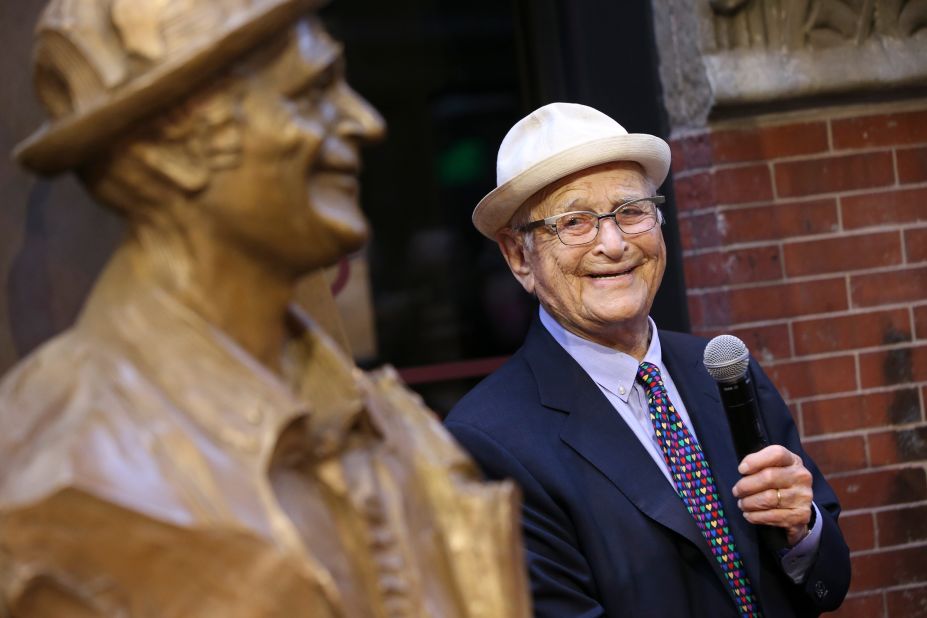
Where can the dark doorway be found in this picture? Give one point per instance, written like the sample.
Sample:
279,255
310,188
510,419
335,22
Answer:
451,78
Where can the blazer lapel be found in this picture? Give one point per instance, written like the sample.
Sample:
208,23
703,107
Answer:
700,397
595,430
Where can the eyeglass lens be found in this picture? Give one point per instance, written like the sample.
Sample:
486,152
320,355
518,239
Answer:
581,227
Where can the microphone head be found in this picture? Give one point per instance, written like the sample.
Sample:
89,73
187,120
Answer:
726,358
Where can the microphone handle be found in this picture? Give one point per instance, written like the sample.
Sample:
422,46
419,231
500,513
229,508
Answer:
743,417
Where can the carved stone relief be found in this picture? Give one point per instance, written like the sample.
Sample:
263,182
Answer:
795,24
721,54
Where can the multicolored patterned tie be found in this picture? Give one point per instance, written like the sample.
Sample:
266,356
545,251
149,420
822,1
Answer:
696,486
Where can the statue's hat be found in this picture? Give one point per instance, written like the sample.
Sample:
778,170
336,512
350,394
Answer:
101,66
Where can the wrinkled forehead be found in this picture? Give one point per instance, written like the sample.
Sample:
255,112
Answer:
616,182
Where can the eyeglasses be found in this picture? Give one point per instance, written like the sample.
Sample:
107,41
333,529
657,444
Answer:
581,227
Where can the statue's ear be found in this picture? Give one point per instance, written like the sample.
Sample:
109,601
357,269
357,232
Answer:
176,163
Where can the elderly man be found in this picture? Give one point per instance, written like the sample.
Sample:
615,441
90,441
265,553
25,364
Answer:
635,503
195,445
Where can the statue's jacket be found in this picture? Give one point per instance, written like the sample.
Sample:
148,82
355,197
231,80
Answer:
149,466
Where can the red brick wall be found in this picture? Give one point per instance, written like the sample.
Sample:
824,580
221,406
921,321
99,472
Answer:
807,238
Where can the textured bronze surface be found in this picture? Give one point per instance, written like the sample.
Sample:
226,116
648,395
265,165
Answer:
196,445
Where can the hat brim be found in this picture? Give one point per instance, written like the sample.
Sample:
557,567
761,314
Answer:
66,142
496,209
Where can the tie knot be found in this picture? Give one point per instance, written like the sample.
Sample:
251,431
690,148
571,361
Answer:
648,374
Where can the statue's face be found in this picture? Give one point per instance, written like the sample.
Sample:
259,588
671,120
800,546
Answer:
293,200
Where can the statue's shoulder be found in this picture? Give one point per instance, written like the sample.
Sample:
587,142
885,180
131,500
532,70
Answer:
69,411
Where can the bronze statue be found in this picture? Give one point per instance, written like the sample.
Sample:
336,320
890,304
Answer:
196,445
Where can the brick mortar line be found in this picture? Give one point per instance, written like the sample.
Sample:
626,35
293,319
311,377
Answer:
887,548
901,228
831,153
863,432
860,594
881,591
848,294
921,395
857,359
853,311
775,360
807,198
884,508
841,224
688,173
895,167
882,549
912,322
908,465
771,170
873,390
900,345
814,156
828,113
734,287
766,122
760,284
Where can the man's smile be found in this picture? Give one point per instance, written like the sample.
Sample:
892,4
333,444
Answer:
612,274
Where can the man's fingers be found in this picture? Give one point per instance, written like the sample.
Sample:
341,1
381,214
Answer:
768,478
770,457
763,501
793,474
782,518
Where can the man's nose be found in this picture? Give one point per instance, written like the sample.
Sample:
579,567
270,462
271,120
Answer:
358,118
610,239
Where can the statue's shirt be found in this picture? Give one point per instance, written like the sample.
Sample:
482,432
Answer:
150,467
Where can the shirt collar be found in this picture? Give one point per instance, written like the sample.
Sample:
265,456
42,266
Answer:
612,370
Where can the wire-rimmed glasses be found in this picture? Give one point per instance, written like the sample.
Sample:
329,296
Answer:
582,226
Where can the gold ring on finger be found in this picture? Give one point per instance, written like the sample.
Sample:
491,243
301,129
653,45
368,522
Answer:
778,499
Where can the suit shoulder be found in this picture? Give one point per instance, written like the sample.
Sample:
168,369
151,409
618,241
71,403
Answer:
503,392
671,338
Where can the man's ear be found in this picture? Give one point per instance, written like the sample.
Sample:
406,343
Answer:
516,253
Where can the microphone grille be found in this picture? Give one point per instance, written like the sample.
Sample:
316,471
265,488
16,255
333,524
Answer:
726,358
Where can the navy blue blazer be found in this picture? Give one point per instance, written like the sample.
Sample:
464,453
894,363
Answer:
605,534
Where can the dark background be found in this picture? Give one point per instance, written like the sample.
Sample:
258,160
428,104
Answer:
450,78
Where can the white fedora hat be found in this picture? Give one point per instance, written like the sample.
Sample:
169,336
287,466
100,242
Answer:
555,141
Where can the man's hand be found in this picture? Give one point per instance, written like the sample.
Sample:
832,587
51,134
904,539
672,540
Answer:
776,491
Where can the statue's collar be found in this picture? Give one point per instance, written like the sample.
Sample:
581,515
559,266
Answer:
209,377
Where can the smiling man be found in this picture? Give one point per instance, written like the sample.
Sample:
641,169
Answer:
635,503
196,446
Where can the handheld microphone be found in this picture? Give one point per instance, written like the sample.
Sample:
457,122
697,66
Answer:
726,359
